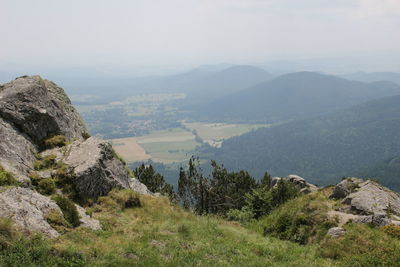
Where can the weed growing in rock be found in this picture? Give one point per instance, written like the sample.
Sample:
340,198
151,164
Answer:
7,179
69,210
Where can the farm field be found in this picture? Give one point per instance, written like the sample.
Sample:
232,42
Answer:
129,149
167,146
215,133
176,144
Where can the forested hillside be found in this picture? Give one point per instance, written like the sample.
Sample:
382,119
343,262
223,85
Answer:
322,149
296,96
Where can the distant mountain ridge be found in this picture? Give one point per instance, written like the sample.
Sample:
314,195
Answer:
297,95
374,76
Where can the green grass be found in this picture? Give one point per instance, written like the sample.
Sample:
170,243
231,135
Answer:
161,234
158,233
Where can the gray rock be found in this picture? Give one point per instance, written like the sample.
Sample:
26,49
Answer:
299,182
39,109
377,220
28,209
345,187
97,169
336,232
86,220
372,198
16,152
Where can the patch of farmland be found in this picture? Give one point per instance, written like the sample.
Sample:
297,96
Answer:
129,149
215,133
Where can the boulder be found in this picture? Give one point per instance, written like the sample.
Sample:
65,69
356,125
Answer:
345,187
16,152
299,182
96,168
39,109
372,198
336,232
86,221
28,209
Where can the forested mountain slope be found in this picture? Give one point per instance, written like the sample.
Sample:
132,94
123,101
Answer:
296,96
322,149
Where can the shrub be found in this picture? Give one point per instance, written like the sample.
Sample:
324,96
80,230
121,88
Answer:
259,201
45,163
392,230
46,186
120,199
7,232
362,246
55,141
243,215
300,220
57,221
7,178
85,135
69,210
36,251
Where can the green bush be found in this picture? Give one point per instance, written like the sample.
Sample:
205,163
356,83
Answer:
35,251
45,163
55,141
362,246
46,186
120,199
7,178
243,215
301,220
7,232
57,221
85,135
69,210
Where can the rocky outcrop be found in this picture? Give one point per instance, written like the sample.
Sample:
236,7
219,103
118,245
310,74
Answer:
299,182
31,111
28,209
345,187
96,168
39,109
371,198
368,201
16,152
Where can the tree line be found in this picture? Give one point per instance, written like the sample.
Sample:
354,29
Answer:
236,195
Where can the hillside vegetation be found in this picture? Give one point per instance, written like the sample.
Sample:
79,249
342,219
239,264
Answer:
322,149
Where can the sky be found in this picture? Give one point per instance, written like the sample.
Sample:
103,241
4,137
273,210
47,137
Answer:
157,34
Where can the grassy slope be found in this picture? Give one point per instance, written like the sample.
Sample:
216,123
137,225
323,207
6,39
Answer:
160,234
305,220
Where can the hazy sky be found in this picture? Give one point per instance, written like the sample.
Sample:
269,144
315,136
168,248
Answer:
55,33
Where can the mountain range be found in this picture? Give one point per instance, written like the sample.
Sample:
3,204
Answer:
293,96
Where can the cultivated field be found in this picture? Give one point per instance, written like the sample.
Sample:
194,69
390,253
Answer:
177,144
129,149
215,133
167,146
